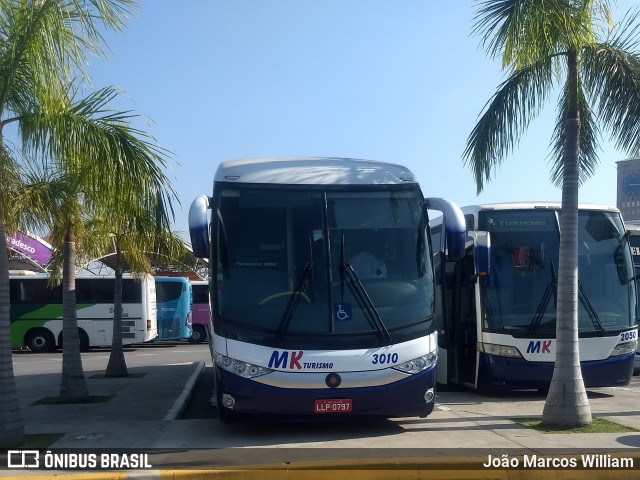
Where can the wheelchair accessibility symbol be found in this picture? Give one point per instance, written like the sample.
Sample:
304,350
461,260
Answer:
342,311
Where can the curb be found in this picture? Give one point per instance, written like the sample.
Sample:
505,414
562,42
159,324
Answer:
183,399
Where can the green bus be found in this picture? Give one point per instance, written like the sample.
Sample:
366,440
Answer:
36,311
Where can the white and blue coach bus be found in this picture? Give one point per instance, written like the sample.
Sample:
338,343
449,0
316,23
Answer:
322,291
497,304
633,231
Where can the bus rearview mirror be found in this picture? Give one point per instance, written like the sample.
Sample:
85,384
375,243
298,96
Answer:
482,254
199,226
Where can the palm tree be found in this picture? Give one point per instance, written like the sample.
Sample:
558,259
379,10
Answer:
53,200
543,45
100,164
73,385
65,218
11,423
139,235
42,44
129,248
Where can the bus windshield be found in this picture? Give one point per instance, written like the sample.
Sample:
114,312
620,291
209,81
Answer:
282,255
634,242
520,296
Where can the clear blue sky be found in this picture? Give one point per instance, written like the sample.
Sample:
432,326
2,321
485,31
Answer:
400,81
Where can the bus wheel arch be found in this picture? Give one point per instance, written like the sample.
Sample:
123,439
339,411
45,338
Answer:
40,340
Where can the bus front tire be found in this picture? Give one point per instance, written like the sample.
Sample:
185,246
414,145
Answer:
40,341
198,334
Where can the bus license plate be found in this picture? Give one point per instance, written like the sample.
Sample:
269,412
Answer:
333,405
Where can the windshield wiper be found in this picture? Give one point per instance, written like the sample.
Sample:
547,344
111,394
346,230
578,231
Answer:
358,290
544,301
294,298
587,303
364,299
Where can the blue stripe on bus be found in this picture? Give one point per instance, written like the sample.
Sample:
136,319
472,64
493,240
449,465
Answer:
404,398
516,373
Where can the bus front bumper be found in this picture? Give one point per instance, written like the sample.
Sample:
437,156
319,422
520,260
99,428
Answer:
516,374
405,398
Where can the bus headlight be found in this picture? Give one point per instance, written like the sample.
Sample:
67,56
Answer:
500,350
624,348
419,364
243,369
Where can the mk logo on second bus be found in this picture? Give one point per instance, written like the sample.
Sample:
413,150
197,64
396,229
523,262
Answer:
535,346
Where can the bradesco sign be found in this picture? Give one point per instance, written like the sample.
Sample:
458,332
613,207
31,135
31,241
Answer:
29,247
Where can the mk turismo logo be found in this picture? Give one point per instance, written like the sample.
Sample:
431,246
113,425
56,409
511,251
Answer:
23,459
280,360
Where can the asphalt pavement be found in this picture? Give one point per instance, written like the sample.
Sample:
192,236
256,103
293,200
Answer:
143,414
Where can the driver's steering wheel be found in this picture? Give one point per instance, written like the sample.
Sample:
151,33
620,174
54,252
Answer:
283,294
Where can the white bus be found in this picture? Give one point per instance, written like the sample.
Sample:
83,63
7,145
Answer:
323,299
633,230
36,311
497,305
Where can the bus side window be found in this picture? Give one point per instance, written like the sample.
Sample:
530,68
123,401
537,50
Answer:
35,292
104,291
16,290
131,291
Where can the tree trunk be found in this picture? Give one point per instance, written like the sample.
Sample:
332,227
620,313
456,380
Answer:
567,404
73,387
117,366
11,423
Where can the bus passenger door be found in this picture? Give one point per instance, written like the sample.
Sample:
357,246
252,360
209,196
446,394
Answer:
464,319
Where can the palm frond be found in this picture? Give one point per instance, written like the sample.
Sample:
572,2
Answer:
46,42
115,171
508,113
625,34
612,79
50,202
99,146
140,239
11,184
522,32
